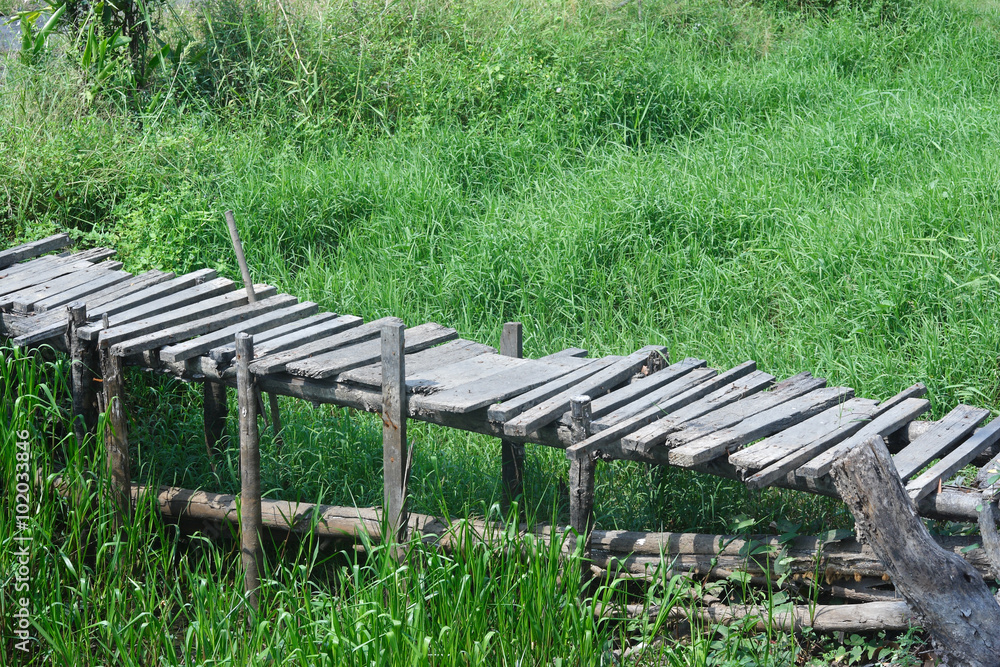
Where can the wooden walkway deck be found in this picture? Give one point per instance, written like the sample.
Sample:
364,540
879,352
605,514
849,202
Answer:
739,423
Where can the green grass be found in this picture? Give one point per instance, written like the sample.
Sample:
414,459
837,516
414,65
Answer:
810,187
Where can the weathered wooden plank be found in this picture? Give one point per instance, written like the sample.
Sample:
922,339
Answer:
32,265
680,386
55,299
521,402
927,482
760,425
460,373
296,333
840,419
736,383
568,352
785,468
116,435
598,384
735,412
162,297
939,440
420,366
332,363
643,387
111,292
887,422
498,387
189,313
581,472
395,453
9,288
83,370
51,324
21,302
606,441
33,249
92,255
202,344
200,327
276,363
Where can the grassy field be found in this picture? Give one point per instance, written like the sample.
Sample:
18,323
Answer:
810,186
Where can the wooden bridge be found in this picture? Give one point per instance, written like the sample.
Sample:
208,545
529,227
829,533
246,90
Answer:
740,423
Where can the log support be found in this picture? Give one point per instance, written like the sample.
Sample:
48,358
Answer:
84,368
116,435
581,471
944,590
216,409
512,453
395,456
250,512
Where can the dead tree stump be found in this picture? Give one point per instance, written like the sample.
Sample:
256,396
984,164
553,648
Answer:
945,591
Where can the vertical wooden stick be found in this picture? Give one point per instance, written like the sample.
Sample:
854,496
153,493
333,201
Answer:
512,453
234,236
394,412
216,409
116,437
250,517
581,471
83,355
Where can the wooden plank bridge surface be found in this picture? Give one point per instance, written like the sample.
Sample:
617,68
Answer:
740,423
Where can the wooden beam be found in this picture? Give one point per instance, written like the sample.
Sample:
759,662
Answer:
84,367
250,515
581,471
216,411
395,457
116,435
511,453
33,249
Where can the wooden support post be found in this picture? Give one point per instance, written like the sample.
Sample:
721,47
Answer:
944,590
395,457
116,436
234,236
581,471
512,453
250,516
83,355
216,409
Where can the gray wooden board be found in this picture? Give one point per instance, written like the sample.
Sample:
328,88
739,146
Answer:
10,288
213,322
448,376
52,322
885,423
615,431
521,402
680,386
420,365
734,384
922,485
295,332
523,375
202,344
11,272
276,363
156,299
568,352
109,293
23,301
635,391
189,313
33,249
760,425
92,255
840,418
938,440
331,364
596,385
737,411
97,282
